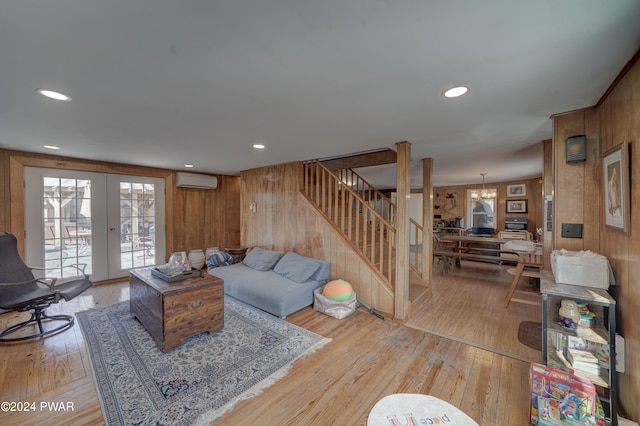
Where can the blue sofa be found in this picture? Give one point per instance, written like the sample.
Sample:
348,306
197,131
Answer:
276,282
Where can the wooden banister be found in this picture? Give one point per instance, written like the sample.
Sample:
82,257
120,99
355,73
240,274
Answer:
416,231
368,193
353,215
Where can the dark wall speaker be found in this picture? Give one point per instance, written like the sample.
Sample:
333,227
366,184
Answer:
576,149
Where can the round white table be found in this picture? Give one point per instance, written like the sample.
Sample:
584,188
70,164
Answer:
416,409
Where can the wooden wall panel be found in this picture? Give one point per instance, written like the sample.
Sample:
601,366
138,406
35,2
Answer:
288,179
207,218
257,227
630,290
189,210
619,121
616,244
569,180
592,179
231,209
246,197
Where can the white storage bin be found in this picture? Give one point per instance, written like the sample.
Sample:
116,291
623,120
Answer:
334,308
585,269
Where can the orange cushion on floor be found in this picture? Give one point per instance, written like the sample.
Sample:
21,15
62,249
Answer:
337,290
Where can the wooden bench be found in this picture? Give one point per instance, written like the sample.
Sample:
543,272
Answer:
447,255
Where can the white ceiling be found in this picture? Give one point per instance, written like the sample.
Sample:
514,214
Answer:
163,83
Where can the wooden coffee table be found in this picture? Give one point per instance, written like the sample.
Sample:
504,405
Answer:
174,311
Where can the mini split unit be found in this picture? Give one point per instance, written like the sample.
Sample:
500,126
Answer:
193,180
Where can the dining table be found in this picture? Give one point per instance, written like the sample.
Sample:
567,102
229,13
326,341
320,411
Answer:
467,243
471,247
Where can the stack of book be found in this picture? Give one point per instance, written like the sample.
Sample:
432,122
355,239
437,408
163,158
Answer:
583,360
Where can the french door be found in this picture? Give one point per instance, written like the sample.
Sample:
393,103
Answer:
108,222
135,223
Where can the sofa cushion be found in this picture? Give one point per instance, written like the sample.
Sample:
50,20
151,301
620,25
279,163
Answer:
295,267
261,259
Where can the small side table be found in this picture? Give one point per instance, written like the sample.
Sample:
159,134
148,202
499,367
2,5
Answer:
236,253
417,409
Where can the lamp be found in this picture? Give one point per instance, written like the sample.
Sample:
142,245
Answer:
484,193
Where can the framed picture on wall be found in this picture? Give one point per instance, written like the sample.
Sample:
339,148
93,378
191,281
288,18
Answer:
516,206
519,190
615,168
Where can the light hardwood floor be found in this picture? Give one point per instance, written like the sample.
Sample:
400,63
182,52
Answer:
367,359
467,305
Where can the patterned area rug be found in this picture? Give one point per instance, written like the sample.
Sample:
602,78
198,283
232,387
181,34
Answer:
197,382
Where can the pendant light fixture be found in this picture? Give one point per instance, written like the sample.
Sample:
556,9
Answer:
484,193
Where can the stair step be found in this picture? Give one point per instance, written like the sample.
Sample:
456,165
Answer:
418,293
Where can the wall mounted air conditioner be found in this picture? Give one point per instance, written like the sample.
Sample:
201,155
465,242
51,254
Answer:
193,180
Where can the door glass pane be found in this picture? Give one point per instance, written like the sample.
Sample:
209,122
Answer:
137,220
66,225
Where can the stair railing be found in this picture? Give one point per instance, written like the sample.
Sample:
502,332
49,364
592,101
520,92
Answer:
380,202
354,216
416,235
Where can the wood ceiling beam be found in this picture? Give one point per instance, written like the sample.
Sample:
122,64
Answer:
377,158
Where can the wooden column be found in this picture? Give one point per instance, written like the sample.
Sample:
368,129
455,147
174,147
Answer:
547,191
403,179
427,219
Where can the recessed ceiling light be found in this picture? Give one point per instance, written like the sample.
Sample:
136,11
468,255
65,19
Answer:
189,166
258,146
454,92
53,95
51,147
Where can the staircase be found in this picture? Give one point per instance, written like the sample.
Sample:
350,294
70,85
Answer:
366,218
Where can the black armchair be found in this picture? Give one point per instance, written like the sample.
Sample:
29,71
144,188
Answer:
21,291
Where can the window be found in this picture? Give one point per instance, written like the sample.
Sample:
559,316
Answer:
481,212
67,225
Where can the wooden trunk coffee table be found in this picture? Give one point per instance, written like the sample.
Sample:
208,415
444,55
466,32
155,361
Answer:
175,311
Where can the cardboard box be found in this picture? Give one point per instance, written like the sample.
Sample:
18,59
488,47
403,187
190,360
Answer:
560,398
569,267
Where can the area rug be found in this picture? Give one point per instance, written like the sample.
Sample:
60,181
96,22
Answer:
197,382
530,334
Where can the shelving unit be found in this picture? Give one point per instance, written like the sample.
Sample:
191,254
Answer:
604,306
